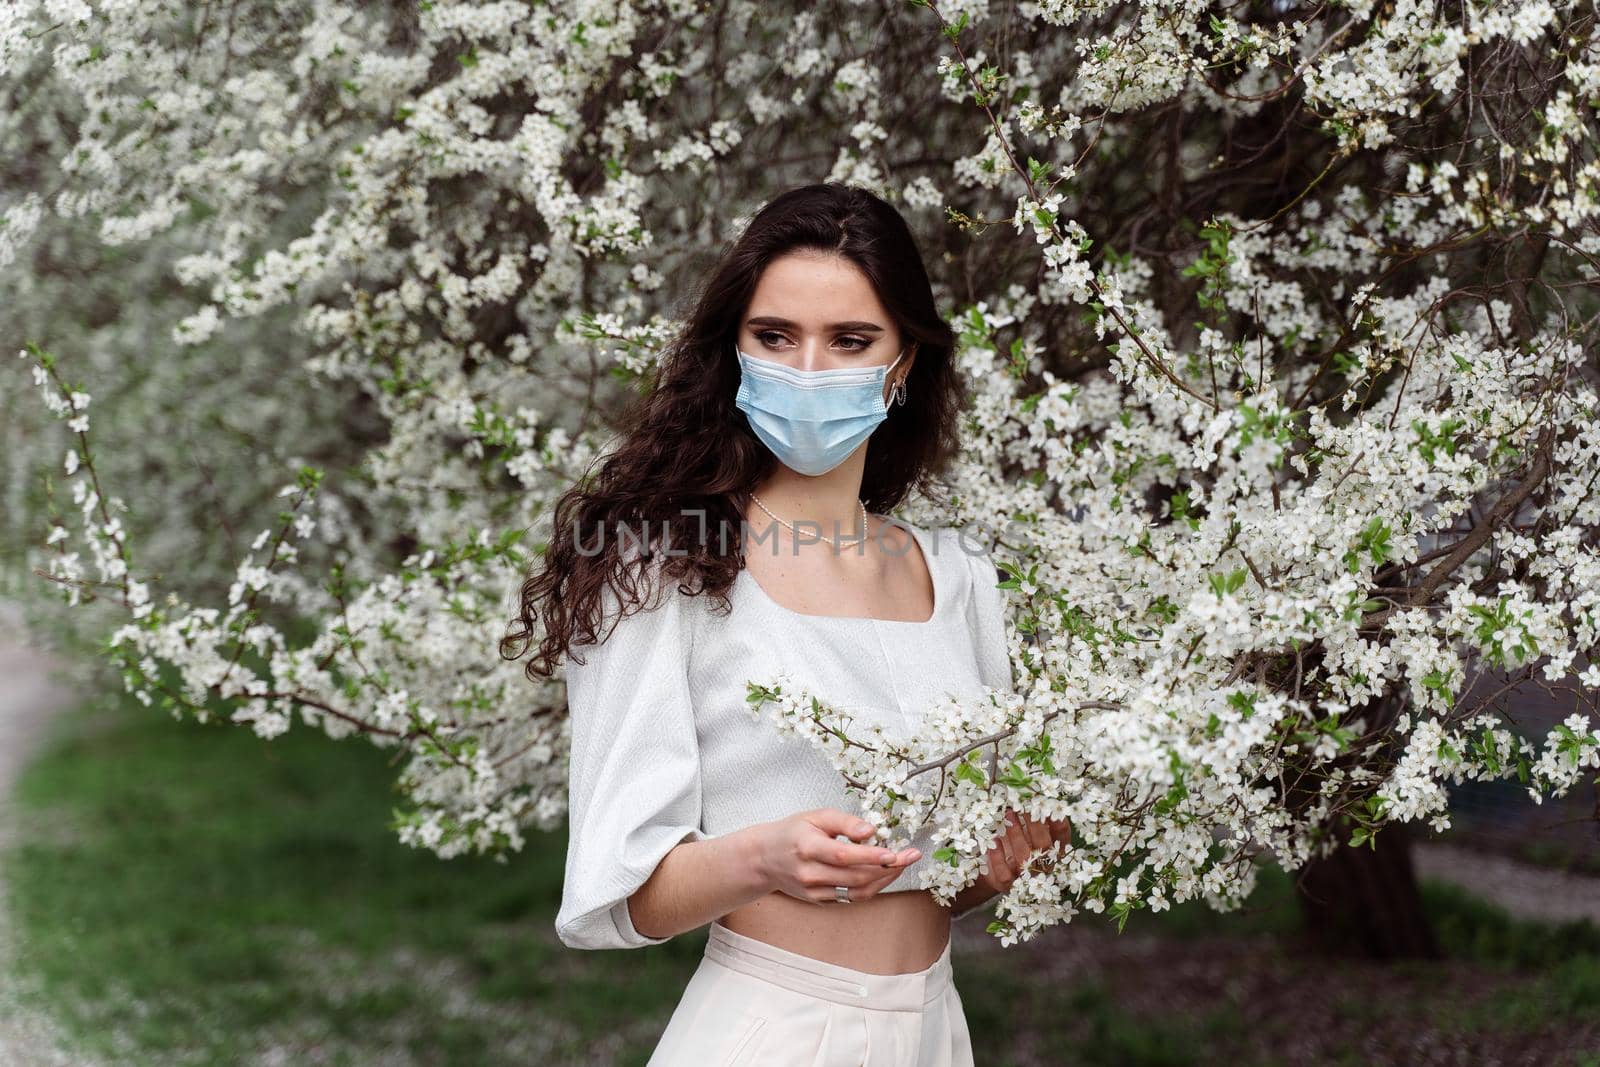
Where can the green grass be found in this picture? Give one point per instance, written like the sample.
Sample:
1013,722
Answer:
1540,978
201,896
1564,959
1467,927
1084,1020
214,893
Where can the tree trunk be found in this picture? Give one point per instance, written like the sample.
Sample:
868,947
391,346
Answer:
1365,901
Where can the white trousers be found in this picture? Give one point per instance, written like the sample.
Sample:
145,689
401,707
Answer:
753,1003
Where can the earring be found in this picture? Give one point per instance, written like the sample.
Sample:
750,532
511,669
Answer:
897,393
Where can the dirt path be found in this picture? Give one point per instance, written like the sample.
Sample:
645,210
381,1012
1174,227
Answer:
1524,890
28,699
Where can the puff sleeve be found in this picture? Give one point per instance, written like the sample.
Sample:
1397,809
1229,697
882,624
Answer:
989,623
633,787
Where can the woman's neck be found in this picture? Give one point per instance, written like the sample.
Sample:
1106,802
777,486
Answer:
829,507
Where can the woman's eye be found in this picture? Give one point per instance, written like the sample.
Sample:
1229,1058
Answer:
772,339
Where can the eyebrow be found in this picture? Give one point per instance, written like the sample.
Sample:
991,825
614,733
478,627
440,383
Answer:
773,320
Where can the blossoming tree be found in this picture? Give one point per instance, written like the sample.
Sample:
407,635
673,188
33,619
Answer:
1280,320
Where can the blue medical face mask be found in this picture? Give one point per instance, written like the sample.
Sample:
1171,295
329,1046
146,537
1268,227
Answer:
811,419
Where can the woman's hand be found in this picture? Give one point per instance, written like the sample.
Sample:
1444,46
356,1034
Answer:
799,856
1019,838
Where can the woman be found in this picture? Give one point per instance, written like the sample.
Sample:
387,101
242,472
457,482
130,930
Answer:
738,519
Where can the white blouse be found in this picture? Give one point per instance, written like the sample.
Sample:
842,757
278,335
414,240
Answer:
665,748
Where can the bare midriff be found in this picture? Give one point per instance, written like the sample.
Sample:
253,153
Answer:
889,933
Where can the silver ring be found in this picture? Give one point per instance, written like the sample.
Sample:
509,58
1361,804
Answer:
841,893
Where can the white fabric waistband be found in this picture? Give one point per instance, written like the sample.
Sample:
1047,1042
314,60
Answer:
844,985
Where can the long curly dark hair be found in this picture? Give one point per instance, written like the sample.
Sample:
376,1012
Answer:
687,459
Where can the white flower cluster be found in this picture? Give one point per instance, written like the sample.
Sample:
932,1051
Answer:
1274,505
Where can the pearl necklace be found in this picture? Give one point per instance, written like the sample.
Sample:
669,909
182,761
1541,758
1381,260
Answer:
825,537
